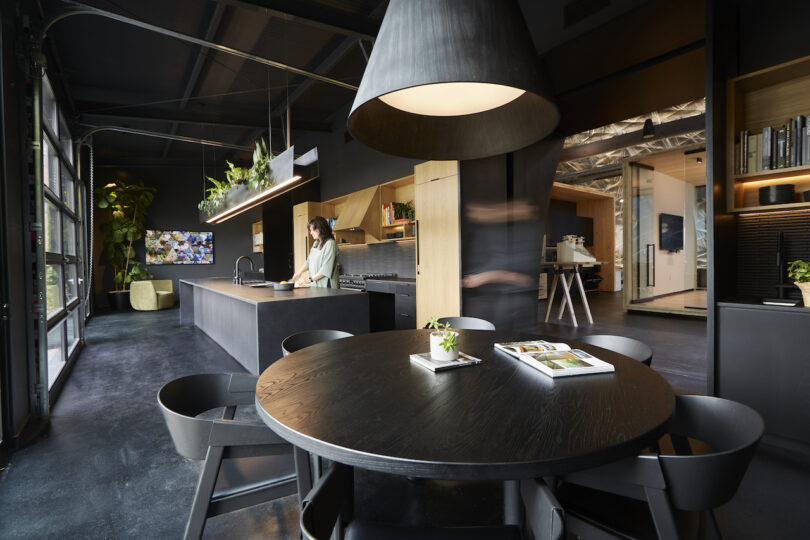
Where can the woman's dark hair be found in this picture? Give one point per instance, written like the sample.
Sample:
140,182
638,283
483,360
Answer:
322,226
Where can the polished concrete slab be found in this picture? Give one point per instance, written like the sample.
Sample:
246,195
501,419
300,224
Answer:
106,467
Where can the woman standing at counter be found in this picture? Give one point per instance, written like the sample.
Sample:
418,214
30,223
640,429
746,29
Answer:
322,259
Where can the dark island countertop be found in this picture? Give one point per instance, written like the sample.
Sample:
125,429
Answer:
258,295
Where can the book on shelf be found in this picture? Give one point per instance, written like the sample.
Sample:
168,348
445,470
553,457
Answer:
767,133
780,155
806,141
426,361
555,359
754,159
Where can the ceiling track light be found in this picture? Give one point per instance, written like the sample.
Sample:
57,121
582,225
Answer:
648,132
451,79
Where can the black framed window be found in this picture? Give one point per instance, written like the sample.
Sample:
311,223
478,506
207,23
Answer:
64,234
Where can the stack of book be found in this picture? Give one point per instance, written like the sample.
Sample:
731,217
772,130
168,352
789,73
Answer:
389,216
775,148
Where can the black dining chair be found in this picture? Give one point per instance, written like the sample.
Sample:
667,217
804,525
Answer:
328,507
670,494
635,349
298,341
467,323
245,463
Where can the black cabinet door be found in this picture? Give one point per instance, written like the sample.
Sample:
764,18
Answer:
405,312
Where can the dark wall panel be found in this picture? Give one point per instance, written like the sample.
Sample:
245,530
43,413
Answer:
16,244
347,165
770,33
278,230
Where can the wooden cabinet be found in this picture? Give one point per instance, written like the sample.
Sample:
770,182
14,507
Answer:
434,170
436,199
768,97
258,237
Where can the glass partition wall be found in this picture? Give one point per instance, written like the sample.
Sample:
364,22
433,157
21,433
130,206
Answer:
63,201
665,229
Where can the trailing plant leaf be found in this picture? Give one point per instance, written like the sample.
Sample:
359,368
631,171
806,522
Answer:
799,271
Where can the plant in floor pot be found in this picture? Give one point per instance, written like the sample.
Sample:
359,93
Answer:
126,205
443,341
800,272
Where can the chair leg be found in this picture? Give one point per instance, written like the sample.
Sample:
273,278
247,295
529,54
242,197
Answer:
662,514
205,489
303,472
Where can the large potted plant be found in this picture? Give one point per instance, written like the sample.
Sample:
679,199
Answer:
800,272
126,206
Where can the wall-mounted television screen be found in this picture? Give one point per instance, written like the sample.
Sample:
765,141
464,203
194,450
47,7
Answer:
179,247
671,232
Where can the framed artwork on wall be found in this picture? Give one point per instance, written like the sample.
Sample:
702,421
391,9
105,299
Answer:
179,247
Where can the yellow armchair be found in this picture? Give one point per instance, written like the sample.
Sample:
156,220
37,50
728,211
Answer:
151,295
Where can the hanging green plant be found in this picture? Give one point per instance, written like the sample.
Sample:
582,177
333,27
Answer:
258,178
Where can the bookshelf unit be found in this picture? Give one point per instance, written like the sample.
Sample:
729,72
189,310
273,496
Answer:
757,100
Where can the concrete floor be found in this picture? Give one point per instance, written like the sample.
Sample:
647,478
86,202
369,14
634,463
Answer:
106,467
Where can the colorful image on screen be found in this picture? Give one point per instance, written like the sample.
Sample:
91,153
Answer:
179,247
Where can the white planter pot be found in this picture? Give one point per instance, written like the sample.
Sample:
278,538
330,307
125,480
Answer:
436,350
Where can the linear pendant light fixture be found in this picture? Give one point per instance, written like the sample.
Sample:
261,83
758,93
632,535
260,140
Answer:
294,171
452,79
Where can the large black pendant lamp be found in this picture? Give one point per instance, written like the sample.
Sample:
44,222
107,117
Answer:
452,79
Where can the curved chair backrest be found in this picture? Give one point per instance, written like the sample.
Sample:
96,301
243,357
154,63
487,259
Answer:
467,323
298,341
731,429
181,400
635,349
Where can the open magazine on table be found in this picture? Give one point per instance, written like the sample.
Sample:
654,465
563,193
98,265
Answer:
555,359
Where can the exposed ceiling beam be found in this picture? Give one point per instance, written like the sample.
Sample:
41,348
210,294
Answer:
78,8
196,69
668,129
322,64
192,118
314,15
93,129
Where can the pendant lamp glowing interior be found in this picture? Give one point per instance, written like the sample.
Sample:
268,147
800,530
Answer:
452,79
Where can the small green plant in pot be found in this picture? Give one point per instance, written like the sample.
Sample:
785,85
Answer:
126,205
800,272
443,341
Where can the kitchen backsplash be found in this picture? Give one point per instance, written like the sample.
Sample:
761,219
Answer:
386,257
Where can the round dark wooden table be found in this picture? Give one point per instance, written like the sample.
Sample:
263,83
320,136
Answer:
362,402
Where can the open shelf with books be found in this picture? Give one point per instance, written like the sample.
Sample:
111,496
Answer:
768,135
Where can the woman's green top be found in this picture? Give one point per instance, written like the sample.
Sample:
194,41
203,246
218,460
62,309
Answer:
323,260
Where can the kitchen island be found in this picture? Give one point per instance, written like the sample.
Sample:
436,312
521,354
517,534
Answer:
250,323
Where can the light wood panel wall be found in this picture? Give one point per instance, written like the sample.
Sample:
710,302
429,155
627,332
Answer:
436,200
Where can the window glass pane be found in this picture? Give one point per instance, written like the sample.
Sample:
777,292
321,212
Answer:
56,352
53,240
50,167
68,235
68,192
49,111
53,288
71,282
65,141
72,330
